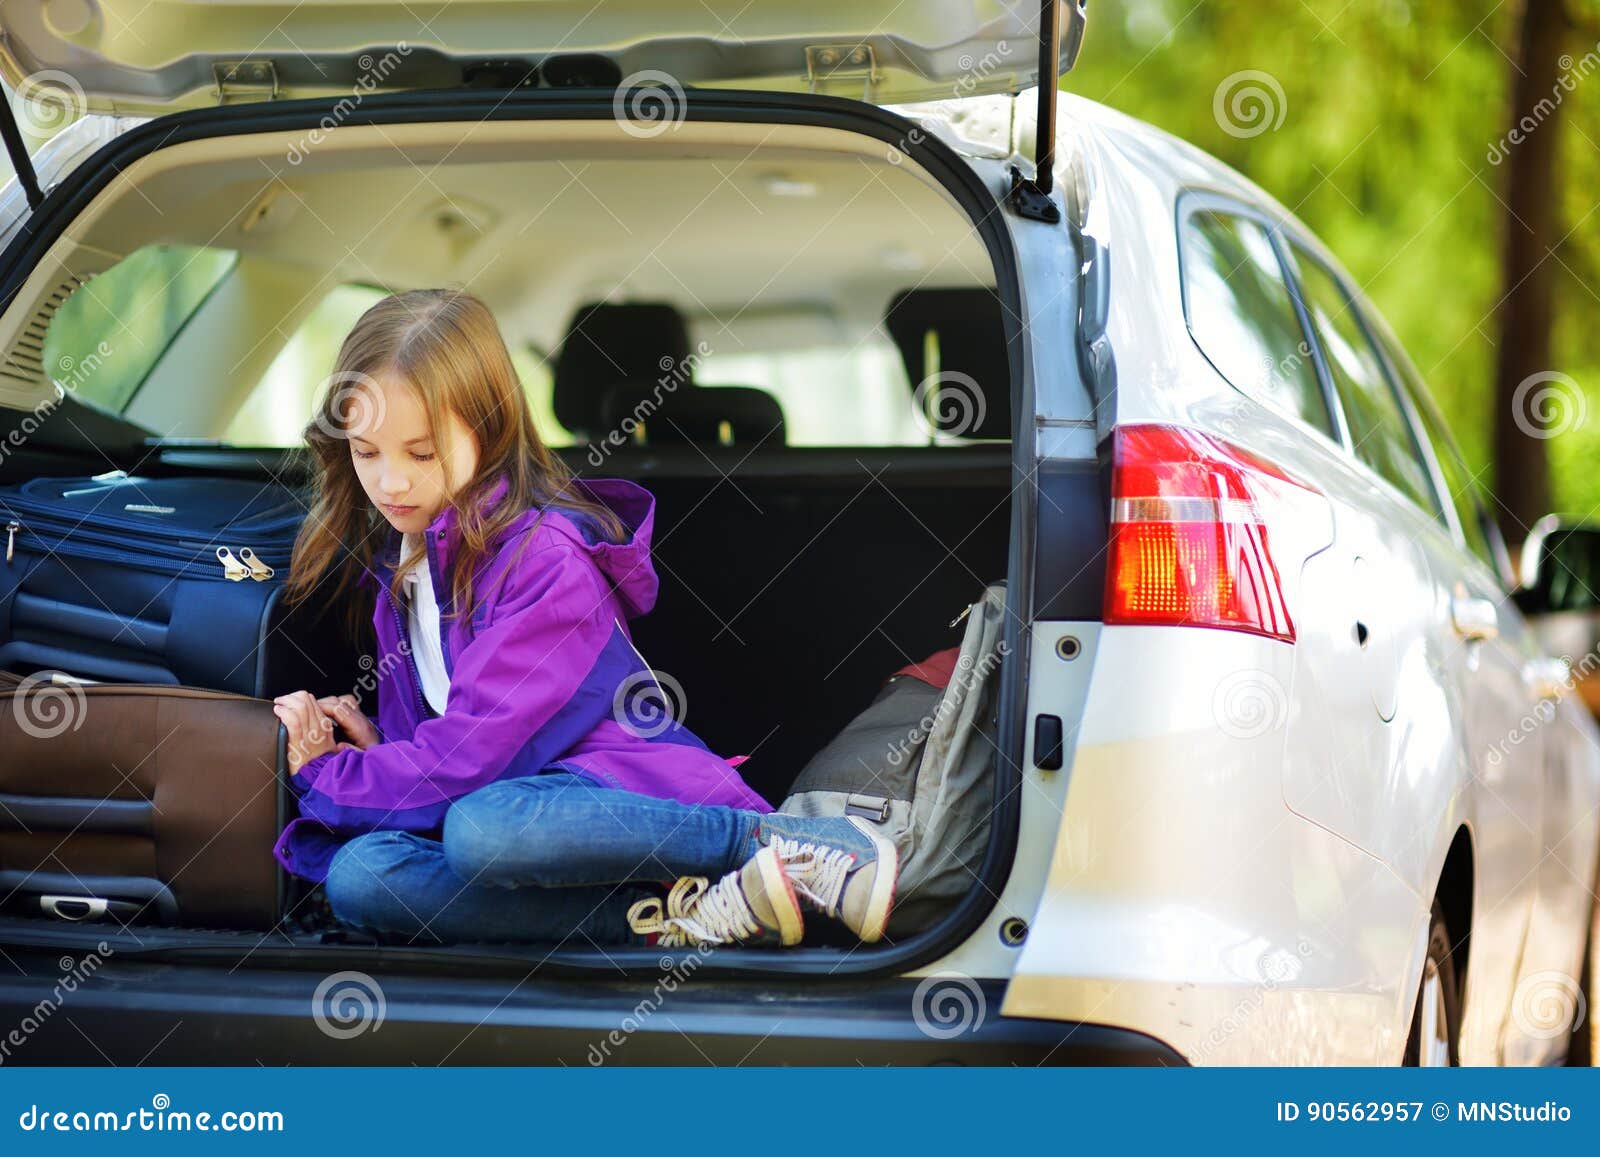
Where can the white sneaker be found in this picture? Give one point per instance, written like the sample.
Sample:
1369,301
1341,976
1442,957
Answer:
755,905
841,868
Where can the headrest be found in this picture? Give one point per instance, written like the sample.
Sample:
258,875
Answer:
699,414
973,368
607,344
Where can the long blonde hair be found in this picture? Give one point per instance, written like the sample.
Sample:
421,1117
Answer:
445,345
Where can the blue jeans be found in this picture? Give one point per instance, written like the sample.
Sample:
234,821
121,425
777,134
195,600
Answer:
545,858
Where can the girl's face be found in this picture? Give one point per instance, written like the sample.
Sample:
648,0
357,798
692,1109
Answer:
399,461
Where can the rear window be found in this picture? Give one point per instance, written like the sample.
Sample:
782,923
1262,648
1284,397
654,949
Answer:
838,385
1242,316
103,341
832,395
276,411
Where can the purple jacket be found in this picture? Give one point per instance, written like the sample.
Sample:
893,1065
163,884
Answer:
545,676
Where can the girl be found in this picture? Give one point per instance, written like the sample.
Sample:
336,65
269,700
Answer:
522,779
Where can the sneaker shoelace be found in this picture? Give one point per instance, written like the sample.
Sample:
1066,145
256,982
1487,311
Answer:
696,912
817,871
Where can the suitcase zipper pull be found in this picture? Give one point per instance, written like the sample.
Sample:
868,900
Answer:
11,537
232,569
259,570
956,621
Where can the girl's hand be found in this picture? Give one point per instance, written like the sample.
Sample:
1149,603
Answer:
310,729
345,710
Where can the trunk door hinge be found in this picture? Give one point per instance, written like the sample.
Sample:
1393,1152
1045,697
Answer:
1030,196
242,81
842,65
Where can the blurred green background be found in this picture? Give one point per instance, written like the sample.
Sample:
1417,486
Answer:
1391,110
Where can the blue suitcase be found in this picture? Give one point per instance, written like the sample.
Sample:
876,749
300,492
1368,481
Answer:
121,578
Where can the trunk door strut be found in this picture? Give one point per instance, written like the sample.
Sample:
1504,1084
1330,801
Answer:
17,148
1030,196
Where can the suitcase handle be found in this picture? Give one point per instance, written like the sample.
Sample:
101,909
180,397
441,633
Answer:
74,907
121,897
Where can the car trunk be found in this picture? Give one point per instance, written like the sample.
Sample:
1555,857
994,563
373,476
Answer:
899,542
787,597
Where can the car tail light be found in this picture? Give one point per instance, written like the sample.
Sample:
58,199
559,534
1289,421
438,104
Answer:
1192,528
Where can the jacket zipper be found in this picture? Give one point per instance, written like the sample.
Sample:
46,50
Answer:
411,658
433,579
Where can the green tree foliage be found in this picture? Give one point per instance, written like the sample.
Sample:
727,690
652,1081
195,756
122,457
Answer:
1391,113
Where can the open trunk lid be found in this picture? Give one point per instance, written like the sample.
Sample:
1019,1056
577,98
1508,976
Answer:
151,56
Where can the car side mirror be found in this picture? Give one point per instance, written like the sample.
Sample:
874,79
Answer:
1560,567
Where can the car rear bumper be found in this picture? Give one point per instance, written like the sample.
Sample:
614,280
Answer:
134,1012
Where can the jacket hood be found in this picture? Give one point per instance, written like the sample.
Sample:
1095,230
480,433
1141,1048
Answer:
626,563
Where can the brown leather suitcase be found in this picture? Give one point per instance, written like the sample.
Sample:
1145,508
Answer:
130,802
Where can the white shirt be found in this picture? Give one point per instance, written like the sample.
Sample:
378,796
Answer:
422,620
